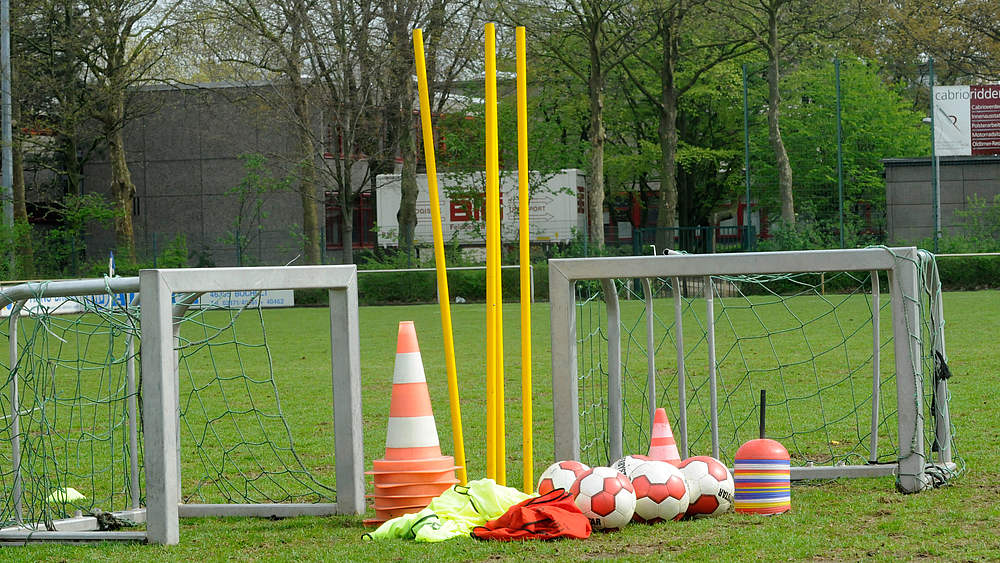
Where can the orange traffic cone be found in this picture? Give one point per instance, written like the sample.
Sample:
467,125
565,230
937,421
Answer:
662,445
413,471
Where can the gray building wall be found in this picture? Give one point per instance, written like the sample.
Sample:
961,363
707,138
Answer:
909,196
183,151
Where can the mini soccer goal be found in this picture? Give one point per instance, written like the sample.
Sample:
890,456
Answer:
848,344
127,403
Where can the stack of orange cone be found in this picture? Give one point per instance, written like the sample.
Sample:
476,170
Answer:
413,471
662,445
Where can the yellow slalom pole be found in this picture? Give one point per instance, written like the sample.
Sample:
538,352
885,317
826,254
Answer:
525,261
492,185
444,300
493,190
500,409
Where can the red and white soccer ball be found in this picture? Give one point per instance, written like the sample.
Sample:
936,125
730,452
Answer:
560,475
710,486
660,492
606,497
627,464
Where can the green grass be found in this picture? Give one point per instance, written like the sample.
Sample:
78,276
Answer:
844,519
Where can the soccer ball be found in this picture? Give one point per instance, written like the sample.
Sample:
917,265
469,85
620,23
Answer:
560,475
606,497
660,492
710,486
627,464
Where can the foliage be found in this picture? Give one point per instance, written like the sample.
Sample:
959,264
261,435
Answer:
877,121
960,273
10,264
62,247
811,232
977,229
979,223
251,194
174,255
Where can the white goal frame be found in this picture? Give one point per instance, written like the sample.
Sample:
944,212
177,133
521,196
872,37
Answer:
899,263
165,295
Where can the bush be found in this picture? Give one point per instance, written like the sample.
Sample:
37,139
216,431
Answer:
811,233
411,287
174,255
969,272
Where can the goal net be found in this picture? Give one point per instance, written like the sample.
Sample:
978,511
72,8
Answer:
848,345
211,388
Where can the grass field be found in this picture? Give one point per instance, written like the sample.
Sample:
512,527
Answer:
844,519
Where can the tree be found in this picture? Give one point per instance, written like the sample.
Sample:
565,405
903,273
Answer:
780,28
962,36
400,17
679,61
124,48
448,56
51,38
345,56
251,194
878,122
277,43
589,38
23,247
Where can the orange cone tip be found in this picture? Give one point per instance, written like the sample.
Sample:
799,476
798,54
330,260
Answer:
662,445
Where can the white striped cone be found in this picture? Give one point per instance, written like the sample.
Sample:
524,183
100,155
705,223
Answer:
412,433
662,445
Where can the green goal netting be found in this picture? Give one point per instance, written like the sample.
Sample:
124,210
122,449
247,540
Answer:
820,343
76,425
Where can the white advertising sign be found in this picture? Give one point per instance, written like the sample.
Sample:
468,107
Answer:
952,121
215,299
967,120
556,210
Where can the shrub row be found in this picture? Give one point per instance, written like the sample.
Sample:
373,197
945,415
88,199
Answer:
957,274
410,287
969,272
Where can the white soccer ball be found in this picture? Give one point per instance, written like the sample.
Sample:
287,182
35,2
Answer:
561,475
660,492
710,486
627,464
606,497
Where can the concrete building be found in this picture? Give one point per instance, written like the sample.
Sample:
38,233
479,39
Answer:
909,192
184,151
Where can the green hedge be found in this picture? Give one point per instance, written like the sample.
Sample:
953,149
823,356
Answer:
410,287
969,272
957,274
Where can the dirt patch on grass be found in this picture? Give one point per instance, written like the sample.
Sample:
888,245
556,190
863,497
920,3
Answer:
634,549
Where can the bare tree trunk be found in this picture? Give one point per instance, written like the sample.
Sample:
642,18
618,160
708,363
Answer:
435,30
595,192
401,91
24,248
307,175
773,125
73,167
407,214
122,188
347,215
666,217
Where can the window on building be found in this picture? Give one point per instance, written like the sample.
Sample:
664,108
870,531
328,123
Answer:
363,221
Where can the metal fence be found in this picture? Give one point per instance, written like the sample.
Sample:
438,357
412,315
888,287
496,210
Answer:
696,240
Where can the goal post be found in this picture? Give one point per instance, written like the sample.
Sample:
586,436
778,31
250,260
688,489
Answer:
722,326
158,289
115,385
